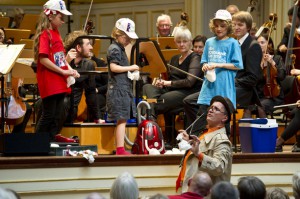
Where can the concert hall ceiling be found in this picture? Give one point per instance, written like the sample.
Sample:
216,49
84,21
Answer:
41,2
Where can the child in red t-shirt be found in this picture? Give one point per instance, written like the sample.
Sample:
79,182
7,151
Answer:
52,68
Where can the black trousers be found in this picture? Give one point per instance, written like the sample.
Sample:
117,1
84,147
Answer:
52,114
293,127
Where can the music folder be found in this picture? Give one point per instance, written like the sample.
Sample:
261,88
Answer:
8,56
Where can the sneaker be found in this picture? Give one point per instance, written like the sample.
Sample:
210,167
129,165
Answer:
278,148
295,148
60,138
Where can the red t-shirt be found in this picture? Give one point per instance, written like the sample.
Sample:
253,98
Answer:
50,82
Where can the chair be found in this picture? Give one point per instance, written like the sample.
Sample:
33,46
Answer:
17,34
29,22
28,43
4,22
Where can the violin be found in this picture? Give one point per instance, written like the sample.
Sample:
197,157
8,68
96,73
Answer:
271,87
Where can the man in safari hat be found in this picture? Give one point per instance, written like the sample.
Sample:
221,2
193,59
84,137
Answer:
211,151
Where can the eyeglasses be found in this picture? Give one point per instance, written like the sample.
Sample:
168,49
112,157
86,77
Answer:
215,109
164,26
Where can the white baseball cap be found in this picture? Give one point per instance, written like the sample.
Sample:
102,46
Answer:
223,15
127,26
56,5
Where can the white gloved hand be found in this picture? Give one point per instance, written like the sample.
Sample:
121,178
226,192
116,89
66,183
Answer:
211,75
135,75
70,81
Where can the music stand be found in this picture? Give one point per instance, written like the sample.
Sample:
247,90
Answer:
8,57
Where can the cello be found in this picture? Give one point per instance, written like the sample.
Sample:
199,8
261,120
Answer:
294,91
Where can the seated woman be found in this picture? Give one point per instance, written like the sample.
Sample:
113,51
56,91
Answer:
273,96
179,85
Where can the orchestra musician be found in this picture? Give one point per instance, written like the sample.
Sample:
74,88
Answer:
81,63
232,9
179,85
247,78
292,128
164,25
273,96
282,46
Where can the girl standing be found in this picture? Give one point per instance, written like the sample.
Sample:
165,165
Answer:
119,101
52,68
220,61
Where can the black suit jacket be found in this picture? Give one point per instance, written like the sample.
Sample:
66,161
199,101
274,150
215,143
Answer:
252,72
247,78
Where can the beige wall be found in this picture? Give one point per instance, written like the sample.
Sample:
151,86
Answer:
144,13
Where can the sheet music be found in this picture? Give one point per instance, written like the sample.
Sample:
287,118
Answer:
8,56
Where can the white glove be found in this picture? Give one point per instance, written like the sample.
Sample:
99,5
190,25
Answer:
70,81
135,75
211,75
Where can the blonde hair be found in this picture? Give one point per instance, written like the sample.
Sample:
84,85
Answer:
228,23
44,24
244,17
183,33
116,33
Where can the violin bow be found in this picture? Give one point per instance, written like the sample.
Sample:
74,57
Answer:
88,15
173,67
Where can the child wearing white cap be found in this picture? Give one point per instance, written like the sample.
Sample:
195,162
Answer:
119,99
52,68
220,61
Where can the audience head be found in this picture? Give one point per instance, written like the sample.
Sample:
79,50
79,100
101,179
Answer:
276,193
164,25
219,111
251,187
7,194
183,37
125,186
232,9
224,190
200,183
222,17
296,185
199,43
94,196
242,23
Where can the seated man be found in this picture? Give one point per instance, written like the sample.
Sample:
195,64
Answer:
164,25
198,187
81,48
247,78
211,152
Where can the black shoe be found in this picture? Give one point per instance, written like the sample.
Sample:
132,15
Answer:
278,148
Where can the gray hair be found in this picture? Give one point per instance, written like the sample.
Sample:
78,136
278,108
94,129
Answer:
124,187
296,185
5,194
276,193
163,17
